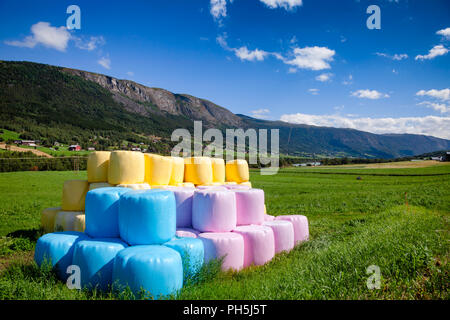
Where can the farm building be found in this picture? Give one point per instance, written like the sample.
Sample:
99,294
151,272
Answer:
74,147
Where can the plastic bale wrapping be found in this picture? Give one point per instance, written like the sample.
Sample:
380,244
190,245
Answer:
147,216
211,187
158,270
135,186
246,183
237,171
48,219
283,232
177,175
158,169
300,223
187,233
102,212
57,248
183,202
65,220
198,170
126,167
192,255
95,258
218,169
97,166
268,217
98,185
259,244
79,223
214,210
74,193
230,183
187,184
237,187
226,245
249,206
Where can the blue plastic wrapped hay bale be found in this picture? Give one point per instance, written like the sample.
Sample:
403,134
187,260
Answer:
57,248
192,254
102,212
95,258
147,216
153,269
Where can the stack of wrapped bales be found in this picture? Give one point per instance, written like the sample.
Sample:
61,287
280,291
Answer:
154,221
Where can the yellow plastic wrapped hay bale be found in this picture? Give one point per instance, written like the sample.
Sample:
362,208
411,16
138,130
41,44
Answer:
158,169
66,220
218,169
97,185
48,219
198,170
229,182
237,171
177,175
126,167
74,194
135,186
97,166
246,183
79,223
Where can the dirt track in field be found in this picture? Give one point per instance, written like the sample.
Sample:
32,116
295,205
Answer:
19,149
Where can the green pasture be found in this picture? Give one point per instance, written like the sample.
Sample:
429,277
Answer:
396,219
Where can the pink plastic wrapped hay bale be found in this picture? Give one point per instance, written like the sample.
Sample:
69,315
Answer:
214,210
300,223
259,244
229,245
249,206
283,232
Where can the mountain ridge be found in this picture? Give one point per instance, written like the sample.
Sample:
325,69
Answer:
87,102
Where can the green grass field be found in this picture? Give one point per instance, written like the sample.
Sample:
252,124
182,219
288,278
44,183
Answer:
394,218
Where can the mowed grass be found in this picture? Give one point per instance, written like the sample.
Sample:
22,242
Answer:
396,219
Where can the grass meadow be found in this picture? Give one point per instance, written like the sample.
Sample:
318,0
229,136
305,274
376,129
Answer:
394,218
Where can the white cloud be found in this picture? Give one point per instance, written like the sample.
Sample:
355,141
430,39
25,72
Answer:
43,33
130,73
443,94
369,94
313,91
105,62
428,125
324,77
260,113
313,58
434,52
444,32
396,56
292,70
441,107
244,54
286,4
218,8
91,44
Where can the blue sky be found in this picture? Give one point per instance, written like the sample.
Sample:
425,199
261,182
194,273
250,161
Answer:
309,61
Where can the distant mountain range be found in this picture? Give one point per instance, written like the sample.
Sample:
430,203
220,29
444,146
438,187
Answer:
68,104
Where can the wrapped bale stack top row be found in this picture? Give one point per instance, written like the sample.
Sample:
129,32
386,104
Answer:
128,167
130,236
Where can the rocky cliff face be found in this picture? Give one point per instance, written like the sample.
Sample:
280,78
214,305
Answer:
144,100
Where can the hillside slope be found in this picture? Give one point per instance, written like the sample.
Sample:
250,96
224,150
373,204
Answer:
68,105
